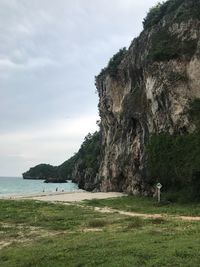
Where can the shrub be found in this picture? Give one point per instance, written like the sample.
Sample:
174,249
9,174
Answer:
175,160
96,223
158,221
166,46
112,68
181,10
87,157
195,113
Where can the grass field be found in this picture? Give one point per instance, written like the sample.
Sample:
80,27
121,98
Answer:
40,234
146,205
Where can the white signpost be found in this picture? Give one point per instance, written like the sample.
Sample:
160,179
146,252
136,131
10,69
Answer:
159,186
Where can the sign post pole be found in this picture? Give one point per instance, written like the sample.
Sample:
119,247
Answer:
159,186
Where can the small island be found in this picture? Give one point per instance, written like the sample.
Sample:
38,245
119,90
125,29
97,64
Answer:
45,172
54,180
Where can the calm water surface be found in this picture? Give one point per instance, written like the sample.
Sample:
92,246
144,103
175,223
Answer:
17,185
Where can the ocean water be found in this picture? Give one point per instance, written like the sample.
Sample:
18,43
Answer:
17,185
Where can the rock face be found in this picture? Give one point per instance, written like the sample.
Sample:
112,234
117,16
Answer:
54,180
86,179
150,92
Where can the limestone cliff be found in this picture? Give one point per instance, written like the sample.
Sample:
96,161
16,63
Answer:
144,91
148,91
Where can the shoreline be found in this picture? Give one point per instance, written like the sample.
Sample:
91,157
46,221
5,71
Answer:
75,196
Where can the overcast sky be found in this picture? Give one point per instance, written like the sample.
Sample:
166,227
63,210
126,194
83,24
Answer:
50,51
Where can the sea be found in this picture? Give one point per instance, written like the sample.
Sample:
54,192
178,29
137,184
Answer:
17,186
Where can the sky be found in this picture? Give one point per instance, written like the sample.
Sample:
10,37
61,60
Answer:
50,52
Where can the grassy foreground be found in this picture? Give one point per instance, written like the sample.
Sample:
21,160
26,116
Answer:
146,205
41,234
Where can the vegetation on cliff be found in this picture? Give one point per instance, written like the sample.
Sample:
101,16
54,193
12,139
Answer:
182,9
87,158
174,160
114,62
166,46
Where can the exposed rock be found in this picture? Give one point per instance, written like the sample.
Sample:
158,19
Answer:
54,180
143,91
150,93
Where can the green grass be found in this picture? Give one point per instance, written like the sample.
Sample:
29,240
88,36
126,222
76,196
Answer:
97,223
107,249
146,205
49,235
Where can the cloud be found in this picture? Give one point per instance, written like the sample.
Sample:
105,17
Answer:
50,52
52,143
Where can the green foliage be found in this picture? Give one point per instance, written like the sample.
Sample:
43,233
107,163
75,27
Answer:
112,68
94,223
86,158
90,151
66,168
41,171
195,113
182,10
154,15
175,160
166,46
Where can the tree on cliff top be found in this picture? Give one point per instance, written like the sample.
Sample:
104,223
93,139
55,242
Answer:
184,10
112,67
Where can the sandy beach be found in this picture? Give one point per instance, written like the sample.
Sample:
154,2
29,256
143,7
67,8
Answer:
67,196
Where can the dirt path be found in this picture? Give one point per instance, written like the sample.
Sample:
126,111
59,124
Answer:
146,216
67,197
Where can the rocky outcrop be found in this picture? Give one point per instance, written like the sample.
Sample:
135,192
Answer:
54,180
86,178
150,92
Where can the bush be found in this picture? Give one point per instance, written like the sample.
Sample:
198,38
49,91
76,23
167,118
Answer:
195,113
112,68
158,221
182,10
97,223
175,160
87,157
166,46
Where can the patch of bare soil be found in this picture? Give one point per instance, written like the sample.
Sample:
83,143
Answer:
86,230
146,216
